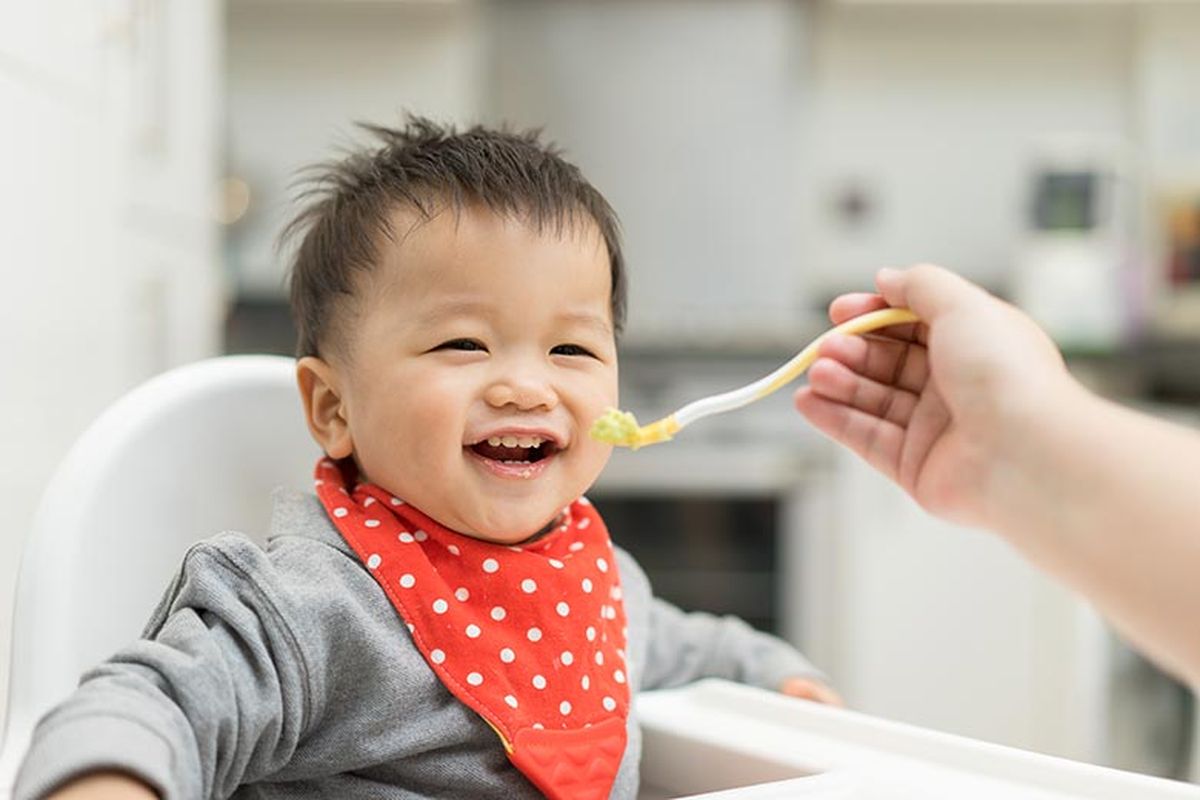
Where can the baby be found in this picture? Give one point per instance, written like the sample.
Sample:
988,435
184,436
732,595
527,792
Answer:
447,616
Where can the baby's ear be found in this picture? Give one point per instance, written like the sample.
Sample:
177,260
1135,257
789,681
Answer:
323,407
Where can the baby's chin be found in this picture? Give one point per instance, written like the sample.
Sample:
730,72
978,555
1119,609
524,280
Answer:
514,536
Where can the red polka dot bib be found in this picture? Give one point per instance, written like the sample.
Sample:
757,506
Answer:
531,637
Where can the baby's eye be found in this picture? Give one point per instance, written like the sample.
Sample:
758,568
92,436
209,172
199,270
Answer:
571,350
468,345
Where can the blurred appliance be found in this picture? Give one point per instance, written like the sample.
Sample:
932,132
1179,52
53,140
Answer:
1177,311
1074,270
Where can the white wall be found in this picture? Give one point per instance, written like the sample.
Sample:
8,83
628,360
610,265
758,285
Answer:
108,247
689,115
297,82
937,110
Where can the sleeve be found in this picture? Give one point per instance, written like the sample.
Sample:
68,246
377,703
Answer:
216,693
685,647
681,648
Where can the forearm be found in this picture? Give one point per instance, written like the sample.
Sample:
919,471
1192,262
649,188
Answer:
1108,500
686,647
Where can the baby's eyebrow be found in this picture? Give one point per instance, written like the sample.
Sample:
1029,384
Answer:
453,309
587,319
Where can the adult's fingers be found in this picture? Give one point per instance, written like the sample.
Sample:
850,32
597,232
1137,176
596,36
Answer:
855,304
889,361
833,381
928,290
849,306
877,441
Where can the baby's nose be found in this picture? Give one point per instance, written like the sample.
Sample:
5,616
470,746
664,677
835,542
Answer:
525,390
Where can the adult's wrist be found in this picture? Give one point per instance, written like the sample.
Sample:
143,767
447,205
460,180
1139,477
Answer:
1039,441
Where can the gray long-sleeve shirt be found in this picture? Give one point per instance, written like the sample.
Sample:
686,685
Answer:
287,673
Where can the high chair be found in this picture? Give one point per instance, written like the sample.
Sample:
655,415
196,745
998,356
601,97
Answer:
197,450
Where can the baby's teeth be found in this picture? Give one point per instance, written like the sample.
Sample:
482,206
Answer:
515,441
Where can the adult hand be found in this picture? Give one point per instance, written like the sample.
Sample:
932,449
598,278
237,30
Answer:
936,406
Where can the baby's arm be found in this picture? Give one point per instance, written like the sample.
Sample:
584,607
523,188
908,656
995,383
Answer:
685,647
680,647
215,696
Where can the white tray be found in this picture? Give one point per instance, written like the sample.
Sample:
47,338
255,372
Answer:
716,739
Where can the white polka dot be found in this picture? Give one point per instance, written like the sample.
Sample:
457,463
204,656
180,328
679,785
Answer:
490,565
396,501
420,536
529,586
410,627
516,549
453,548
373,561
568,658
437,656
599,658
498,613
318,482
440,606
507,655
371,523
407,580
576,547
583,523
619,676
462,594
563,609
615,594
368,502
537,726
601,565
585,501
340,512
587,585
564,708
473,631
512,701
474,678
591,634
609,704
406,537
534,634
539,682
585,682
554,562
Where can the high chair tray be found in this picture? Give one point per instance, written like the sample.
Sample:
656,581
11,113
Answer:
720,740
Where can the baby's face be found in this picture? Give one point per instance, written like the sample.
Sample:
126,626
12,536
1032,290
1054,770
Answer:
481,355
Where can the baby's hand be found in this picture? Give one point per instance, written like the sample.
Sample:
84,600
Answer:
810,689
105,785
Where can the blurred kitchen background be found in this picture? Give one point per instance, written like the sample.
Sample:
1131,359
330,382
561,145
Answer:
764,155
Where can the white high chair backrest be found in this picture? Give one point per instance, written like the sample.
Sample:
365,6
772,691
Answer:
190,453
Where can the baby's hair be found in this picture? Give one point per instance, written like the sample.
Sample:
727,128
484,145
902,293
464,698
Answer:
424,166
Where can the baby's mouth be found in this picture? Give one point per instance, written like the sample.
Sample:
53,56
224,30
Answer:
515,450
